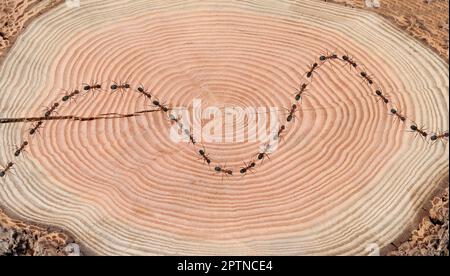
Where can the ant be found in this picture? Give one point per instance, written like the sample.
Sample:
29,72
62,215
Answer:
204,156
51,110
120,86
300,91
312,68
421,130
91,87
280,132
291,113
141,89
248,167
69,96
6,169
382,97
35,129
328,56
186,131
219,169
264,153
161,106
366,77
191,136
396,113
174,119
349,60
441,136
21,149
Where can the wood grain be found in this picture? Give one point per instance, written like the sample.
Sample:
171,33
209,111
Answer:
345,177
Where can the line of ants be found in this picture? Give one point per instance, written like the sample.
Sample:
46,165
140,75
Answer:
69,96
262,155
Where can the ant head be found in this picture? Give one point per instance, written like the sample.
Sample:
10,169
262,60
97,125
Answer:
378,92
345,57
315,65
76,92
56,104
127,85
260,156
294,106
230,172
10,164
243,170
202,152
253,164
283,127
165,109
25,143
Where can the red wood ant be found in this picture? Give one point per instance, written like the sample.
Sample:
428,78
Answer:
51,110
70,96
312,68
291,113
226,172
382,97
141,89
248,167
6,169
328,56
350,61
35,129
396,113
439,136
191,136
174,119
21,149
204,156
420,131
91,87
161,106
264,153
300,91
366,77
280,132
122,87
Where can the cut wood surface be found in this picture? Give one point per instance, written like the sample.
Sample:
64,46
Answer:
346,176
